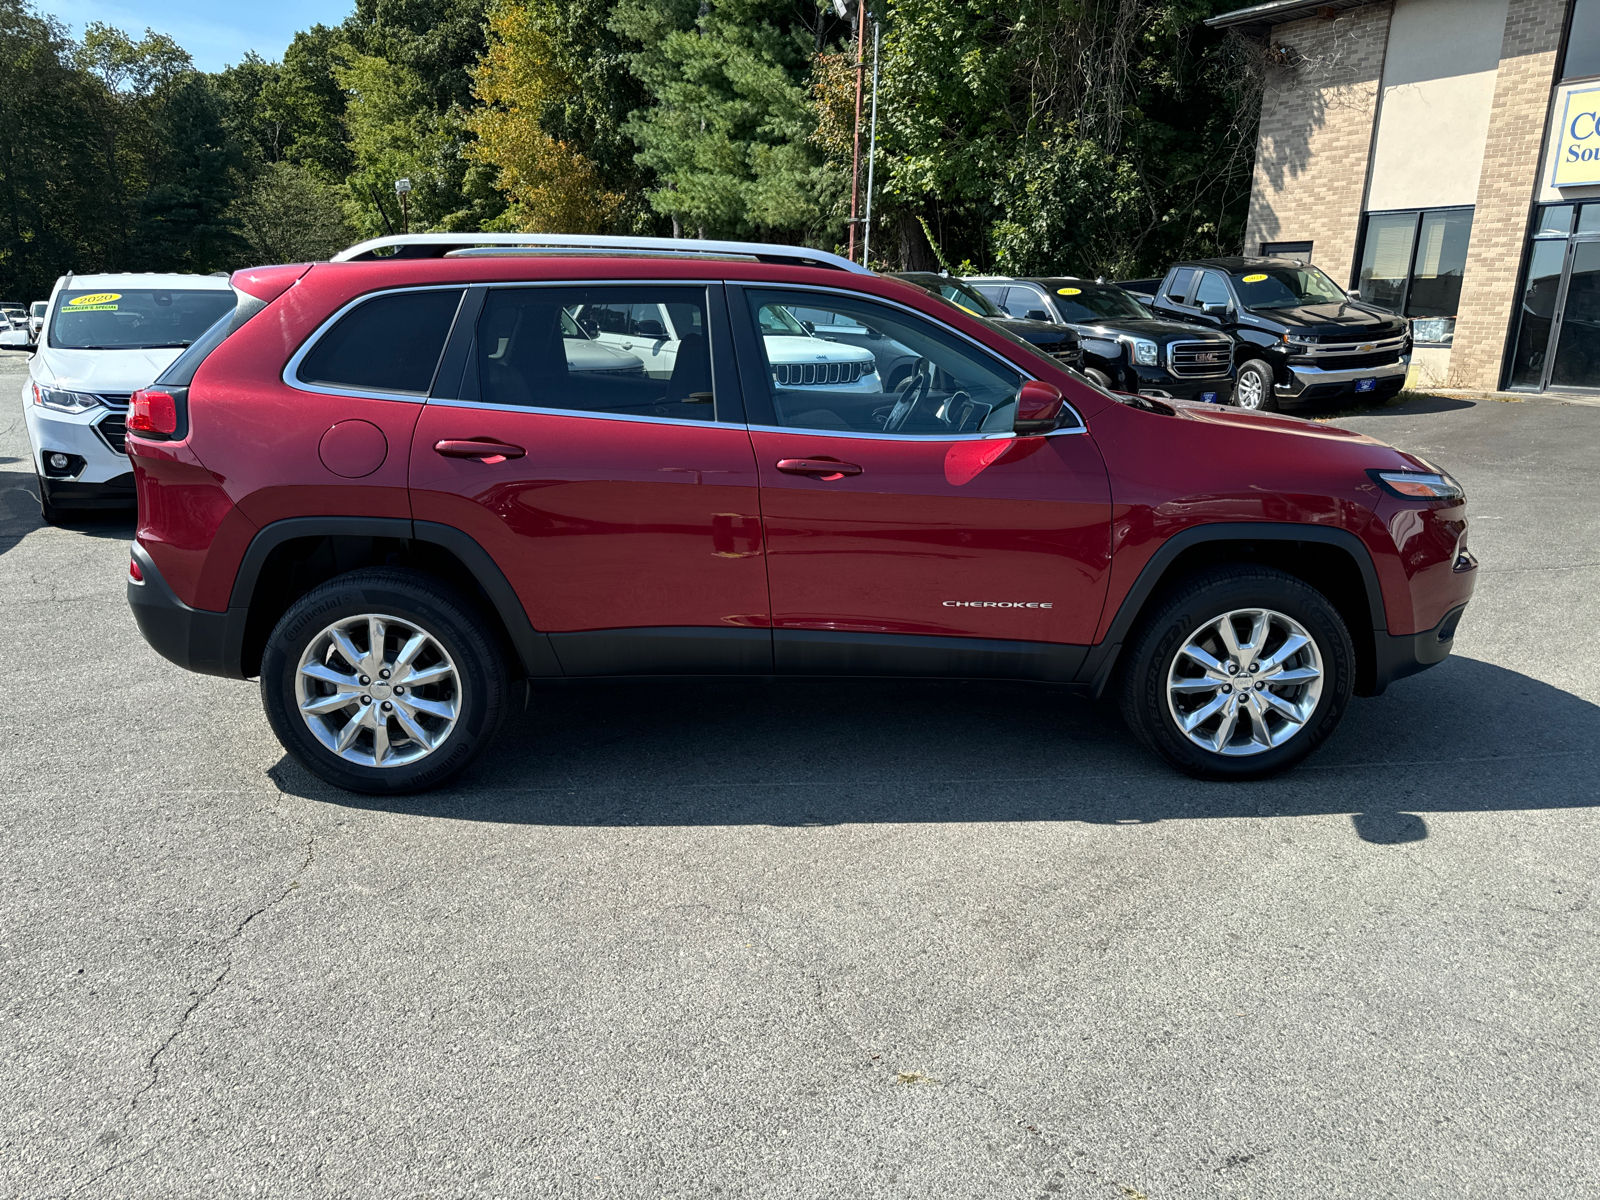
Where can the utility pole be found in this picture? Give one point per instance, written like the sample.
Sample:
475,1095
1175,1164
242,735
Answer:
872,144
402,189
857,19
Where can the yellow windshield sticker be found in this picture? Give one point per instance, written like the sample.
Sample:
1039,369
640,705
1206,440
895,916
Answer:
94,301
1254,278
1069,291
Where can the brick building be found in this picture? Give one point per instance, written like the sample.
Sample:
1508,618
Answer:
1443,158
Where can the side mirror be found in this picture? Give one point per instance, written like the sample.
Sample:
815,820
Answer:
1354,293
16,339
1037,314
1038,408
809,326
1214,310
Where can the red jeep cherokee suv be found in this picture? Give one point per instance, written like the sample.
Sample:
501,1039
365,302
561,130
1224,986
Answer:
392,484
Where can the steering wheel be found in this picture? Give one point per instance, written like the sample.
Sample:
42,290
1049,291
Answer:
916,391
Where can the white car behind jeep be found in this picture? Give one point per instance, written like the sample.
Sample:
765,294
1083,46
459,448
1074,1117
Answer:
104,337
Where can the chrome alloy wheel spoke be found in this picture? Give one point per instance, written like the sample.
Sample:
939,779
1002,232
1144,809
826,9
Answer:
384,714
1240,695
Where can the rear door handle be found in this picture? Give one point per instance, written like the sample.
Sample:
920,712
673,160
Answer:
822,468
479,448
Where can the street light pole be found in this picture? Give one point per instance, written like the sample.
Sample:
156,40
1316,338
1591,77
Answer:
402,189
872,145
858,20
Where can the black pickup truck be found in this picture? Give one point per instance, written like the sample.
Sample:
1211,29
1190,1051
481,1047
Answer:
1299,336
1125,347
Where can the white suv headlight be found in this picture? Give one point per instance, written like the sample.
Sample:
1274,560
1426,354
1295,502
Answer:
62,401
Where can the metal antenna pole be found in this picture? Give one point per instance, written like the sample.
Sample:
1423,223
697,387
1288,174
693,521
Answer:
872,145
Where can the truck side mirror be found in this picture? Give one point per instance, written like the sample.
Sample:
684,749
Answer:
1038,314
1039,407
1354,293
1214,310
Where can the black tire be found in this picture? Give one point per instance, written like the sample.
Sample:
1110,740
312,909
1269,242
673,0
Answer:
1255,393
1187,610
1100,377
478,687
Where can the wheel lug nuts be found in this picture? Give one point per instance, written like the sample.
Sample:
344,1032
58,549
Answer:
384,673
1261,685
399,690
1233,668
366,699
387,706
1226,688
365,681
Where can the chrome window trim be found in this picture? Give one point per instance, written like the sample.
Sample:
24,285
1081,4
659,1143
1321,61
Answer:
575,412
906,308
292,367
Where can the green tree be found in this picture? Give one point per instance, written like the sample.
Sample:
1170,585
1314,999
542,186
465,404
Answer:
185,222
289,215
728,129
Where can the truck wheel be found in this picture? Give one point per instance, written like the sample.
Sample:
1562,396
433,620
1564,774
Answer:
1100,377
383,681
1253,388
1238,673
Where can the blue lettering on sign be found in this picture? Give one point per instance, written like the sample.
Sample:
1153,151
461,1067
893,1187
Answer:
1583,137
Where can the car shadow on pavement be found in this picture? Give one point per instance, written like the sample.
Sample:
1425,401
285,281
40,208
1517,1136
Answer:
19,515
1467,736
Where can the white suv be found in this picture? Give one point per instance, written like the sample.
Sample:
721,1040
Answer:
104,338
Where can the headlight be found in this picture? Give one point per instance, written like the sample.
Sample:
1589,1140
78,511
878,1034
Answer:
1418,485
67,402
1299,341
1146,354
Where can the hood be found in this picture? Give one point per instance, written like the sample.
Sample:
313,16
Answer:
1040,333
1278,424
1324,320
1152,328
782,349
584,355
113,371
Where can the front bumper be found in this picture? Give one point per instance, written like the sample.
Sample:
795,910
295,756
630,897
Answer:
1318,383
197,639
1399,655
79,436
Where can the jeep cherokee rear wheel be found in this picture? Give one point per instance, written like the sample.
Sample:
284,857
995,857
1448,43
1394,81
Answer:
1238,674
383,681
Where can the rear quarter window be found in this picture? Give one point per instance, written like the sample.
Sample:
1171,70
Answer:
390,343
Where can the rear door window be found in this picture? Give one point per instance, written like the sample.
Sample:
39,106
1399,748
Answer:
631,351
390,343
1182,283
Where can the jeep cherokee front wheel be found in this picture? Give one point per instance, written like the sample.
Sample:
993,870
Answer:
1239,674
383,681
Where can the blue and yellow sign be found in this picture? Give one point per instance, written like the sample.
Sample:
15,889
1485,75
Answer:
1578,140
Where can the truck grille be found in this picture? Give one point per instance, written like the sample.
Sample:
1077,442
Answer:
820,374
1199,360
113,431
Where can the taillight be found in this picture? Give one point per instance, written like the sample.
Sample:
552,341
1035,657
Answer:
152,411
134,571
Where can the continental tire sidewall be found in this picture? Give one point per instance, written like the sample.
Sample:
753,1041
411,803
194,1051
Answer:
414,597
1144,688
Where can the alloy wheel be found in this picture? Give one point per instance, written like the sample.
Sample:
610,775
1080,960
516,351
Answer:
378,691
1251,391
1245,682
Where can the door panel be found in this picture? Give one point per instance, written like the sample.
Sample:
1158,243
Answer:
1577,360
985,538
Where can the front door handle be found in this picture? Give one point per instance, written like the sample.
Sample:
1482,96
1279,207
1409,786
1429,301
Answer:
821,468
480,448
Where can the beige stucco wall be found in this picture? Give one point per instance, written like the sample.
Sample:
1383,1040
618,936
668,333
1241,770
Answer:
1506,188
1316,136
1438,86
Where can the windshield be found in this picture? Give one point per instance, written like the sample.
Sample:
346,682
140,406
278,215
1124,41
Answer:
1286,287
136,318
1079,303
777,321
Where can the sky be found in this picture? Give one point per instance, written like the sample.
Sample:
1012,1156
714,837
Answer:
217,34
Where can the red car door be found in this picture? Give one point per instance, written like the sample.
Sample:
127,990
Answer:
910,531
620,503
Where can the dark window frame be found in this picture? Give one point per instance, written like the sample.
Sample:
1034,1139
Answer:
1411,260
292,369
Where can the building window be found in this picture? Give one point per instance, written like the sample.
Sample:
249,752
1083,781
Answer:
1582,57
1411,265
1299,251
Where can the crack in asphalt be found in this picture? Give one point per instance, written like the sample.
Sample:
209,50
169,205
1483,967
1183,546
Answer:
153,1063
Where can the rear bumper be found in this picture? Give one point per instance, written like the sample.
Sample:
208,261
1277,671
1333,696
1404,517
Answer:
1408,653
197,639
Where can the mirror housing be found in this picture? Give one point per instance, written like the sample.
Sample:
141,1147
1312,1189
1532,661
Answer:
1354,293
1038,314
1214,310
1039,407
17,339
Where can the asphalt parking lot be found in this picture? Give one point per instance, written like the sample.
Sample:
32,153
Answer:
812,939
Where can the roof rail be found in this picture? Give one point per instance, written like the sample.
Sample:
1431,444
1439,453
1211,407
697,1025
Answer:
437,245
